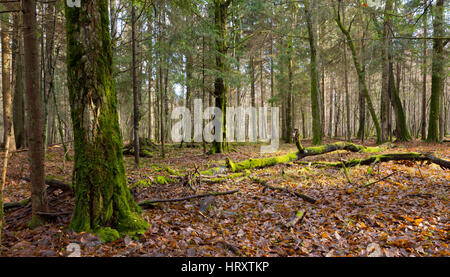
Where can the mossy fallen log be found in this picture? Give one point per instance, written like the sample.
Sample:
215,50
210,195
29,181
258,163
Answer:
303,152
214,171
411,156
19,204
260,163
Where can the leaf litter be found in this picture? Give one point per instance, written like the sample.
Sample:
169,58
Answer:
406,214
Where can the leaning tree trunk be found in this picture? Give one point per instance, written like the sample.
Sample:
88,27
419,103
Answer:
102,198
33,101
361,77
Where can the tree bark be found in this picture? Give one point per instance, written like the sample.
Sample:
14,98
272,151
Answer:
102,198
34,107
437,71
424,75
384,101
135,86
220,85
6,81
361,77
18,83
314,73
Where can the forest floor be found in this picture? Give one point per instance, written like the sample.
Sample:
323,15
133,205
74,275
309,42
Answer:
406,214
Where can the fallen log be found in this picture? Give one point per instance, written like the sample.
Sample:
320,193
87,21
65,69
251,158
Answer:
19,204
300,154
376,181
412,156
150,203
299,215
54,184
302,196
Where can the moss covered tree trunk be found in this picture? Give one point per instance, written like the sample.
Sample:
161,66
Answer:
102,198
437,71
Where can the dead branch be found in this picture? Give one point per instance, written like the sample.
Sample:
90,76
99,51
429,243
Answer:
302,196
149,203
412,156
54,184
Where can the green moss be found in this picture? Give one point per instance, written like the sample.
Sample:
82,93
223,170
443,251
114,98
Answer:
102,197
108,235
35,221
143,183
213,171
259,163
146,153
172,171
54,177
161,180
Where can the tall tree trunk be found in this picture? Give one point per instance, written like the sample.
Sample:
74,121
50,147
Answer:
6,81
331,117
47,44
102,198
348,134
361,77
314,75
437,71
220,85
135,87
18,82
150,78
384,101
33,101
424,75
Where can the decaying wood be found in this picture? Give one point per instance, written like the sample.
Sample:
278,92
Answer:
412,156
12,205
302,196
149,203
379,180
300,154
297,218
206,204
